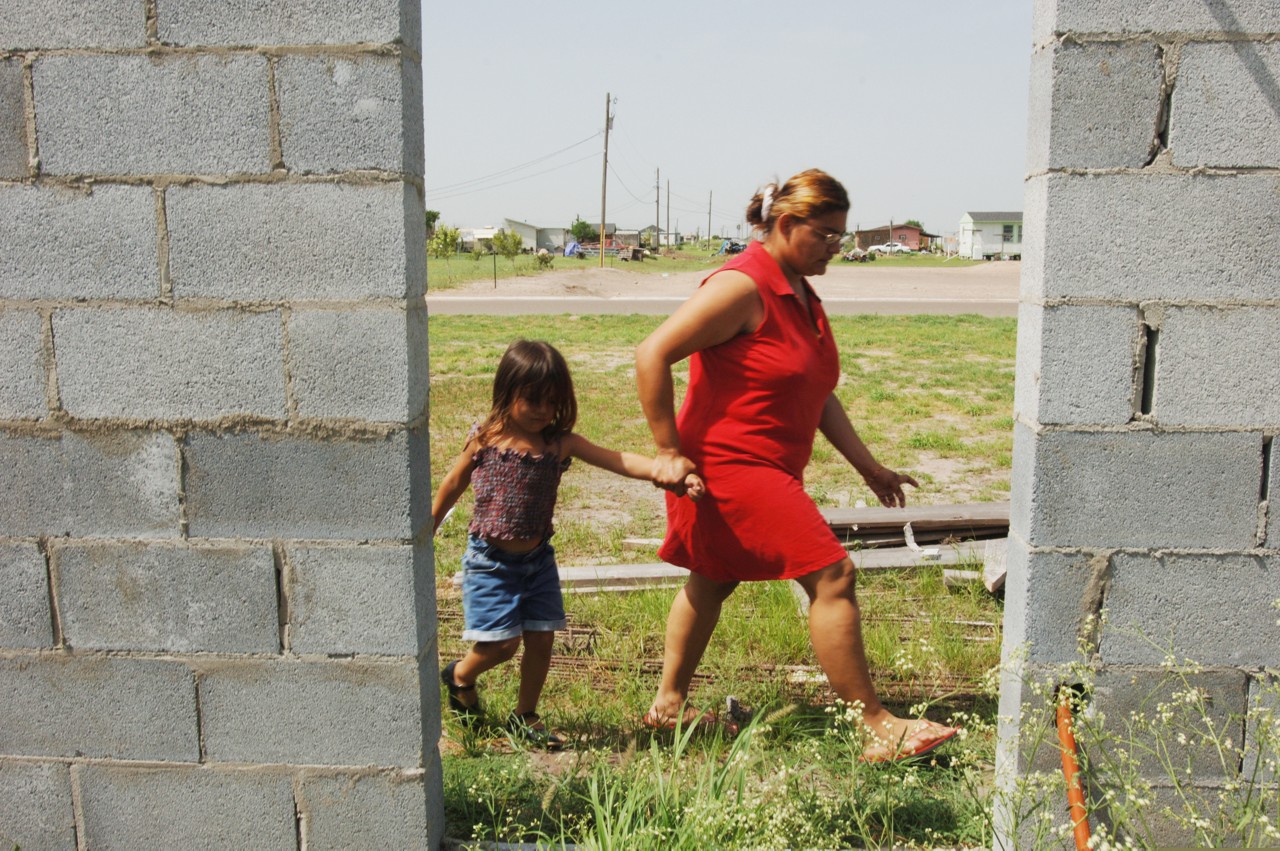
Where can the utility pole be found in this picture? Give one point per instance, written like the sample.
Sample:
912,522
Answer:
604,181
708,214
669,215
657,210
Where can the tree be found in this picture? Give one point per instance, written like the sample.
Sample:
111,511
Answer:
443,243
914,223
583,232
433,216
508,243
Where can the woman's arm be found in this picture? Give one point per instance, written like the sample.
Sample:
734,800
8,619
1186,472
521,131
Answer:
725,306
454,485
886,484
623,463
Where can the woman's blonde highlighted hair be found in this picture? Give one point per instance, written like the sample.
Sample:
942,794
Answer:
807,195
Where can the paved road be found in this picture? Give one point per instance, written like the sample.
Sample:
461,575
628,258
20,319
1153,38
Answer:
517,305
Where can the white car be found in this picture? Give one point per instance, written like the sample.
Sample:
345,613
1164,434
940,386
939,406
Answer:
890,248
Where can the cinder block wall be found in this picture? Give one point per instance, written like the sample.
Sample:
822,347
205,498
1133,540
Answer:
1148,382
217,607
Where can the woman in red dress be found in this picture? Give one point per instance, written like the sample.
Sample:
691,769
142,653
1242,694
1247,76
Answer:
762,371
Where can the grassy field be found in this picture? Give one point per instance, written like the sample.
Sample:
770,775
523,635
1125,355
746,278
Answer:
932,395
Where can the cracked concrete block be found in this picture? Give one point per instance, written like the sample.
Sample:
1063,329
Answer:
168,598
188,807
1273,496
378,811
1262,730
25,620
22,375
1094,105
1127,17
127,114
1226,106
13,120
253,23
86,23
1048,603
160,364
35,805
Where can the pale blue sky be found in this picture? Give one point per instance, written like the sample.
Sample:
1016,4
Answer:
918,108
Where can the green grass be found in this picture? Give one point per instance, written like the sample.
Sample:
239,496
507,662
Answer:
930,395
914,261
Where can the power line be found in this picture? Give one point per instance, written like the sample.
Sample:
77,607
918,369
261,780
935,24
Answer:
514,168
432,196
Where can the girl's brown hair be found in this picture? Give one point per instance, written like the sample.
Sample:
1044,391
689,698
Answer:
807,195
534,370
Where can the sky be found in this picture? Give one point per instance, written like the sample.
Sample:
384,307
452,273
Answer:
918,108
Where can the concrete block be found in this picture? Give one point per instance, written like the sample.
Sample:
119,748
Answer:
1140,237
114,484
68,243
1273,498
1136,489
1192,607
35,806
22,377
1048,603
1225,112
87,23
243,485
13,120
361,600
340,113
98,707
1052,17
1076,364
330,713
1218,367
157,363
248,23
1094,105
24,598
363,364
382,811
189,807
168,598
1262,731
291,242
131,114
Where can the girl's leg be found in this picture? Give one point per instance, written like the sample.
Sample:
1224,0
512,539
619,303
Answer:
534,665
835,629
693,617
482,656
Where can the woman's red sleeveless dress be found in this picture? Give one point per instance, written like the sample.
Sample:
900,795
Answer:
748,421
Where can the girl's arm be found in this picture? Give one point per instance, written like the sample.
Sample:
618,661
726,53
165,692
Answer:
623,463
886,484
454,485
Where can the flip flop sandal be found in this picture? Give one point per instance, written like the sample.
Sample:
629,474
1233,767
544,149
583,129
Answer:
528,727
702,720
468,714
925,745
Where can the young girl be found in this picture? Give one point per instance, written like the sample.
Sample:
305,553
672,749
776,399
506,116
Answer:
510,587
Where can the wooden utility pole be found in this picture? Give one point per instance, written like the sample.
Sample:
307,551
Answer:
657,210
708,215
604,180
669,214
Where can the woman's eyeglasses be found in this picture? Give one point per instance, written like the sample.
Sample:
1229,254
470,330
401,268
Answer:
831,239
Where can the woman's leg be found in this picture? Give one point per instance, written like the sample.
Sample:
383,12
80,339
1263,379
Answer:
690,623
534,665
482,656
835,628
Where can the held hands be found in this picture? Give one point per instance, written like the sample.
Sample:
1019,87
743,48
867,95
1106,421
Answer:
887,485
676,473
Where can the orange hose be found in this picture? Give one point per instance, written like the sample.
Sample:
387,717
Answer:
1071,771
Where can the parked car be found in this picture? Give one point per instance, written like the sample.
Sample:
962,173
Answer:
890,248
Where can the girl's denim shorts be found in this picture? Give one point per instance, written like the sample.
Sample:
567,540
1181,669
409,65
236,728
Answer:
504,594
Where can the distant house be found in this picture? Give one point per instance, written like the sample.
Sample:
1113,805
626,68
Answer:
473,239
909,235
528,233
988,236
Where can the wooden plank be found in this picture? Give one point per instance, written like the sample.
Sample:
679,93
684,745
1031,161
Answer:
973,515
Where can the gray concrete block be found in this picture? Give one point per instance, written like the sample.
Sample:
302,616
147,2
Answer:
277,242
243,485
160,364
1140,16
1047,603
99,707
250,24
129,114
330,713
13,120
68,243
110,484
1262,731
340,113
1140,237
1139,489
1076,364
1218,367
369,812
1095,105
1273,498
168,598
190,807
363,364
87,23
1193,607
22,377
1226,106
35,806
25,620
361,600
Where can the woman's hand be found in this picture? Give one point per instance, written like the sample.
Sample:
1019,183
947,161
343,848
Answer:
694,486
887,485
672,471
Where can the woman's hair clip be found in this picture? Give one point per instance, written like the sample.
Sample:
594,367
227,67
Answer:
766,203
